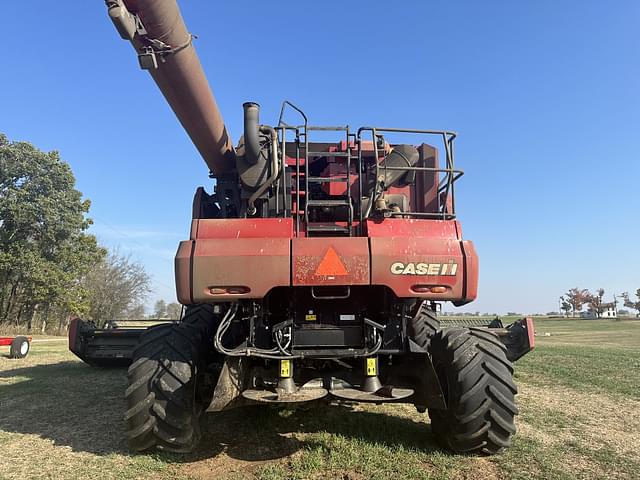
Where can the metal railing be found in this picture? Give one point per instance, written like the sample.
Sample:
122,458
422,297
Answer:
367,167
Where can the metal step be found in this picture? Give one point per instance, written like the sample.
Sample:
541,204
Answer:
329,154
331,128
327,228
338,178
328,203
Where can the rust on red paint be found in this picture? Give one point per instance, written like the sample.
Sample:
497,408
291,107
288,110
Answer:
309,253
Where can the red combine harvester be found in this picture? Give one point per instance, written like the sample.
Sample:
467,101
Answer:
314,270
18,346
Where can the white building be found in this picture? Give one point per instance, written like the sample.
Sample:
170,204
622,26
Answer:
608,311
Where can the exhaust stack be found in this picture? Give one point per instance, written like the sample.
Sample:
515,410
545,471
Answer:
157,32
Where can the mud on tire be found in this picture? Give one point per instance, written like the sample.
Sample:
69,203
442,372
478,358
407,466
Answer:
163,407
476,378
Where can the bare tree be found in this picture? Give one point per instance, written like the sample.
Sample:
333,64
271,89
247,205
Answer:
114,286
160,309
136,312
173,311
633,304
594,300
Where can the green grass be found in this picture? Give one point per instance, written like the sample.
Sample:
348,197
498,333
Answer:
579,404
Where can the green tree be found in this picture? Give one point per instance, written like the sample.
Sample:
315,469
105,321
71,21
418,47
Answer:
44,247
565,306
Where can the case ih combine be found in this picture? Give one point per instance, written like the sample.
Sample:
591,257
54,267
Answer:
313,270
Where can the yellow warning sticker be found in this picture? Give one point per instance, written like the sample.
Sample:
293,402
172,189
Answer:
372,367
311,317
285,368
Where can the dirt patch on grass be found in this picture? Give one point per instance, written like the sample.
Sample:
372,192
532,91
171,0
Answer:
580,434
595,418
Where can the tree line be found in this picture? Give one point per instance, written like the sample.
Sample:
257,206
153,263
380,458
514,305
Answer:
576,299
51,268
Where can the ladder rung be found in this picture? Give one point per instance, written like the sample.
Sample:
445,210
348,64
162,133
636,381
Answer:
327,228
328,203
328,129
338,178
329,154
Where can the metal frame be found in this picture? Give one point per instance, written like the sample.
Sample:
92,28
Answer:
445,186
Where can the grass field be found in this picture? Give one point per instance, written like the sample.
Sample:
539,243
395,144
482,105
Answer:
579,418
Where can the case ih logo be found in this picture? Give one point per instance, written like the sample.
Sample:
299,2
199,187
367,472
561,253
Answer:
442,269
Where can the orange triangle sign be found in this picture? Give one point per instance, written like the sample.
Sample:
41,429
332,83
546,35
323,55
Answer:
331,265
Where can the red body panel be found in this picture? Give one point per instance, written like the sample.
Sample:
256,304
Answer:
6,341
396,261
411,256
401,227
242,228
249,257
330,261
254,264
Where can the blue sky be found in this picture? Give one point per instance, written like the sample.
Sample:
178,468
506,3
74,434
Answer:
544,96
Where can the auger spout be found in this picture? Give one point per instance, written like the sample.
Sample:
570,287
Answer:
165,48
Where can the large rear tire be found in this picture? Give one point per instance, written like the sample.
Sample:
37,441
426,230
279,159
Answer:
163,403
477,380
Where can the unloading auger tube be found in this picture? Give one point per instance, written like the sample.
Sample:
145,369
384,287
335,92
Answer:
165,48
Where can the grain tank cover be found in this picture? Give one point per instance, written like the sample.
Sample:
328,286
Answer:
165,48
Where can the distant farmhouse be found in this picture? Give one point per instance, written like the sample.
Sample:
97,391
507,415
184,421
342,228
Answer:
609,311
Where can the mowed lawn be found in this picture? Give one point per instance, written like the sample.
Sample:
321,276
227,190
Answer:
579,418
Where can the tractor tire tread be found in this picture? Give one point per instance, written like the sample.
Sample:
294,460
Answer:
162,410
423,325
481,409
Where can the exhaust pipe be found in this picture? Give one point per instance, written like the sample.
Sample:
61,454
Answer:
251,132
254,164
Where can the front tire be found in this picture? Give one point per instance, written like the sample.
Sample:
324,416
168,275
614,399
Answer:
20,347
477,380
163,404
423,325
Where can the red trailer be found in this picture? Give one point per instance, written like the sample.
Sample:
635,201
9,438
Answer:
19,346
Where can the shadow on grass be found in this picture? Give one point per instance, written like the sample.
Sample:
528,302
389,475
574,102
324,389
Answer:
81,407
